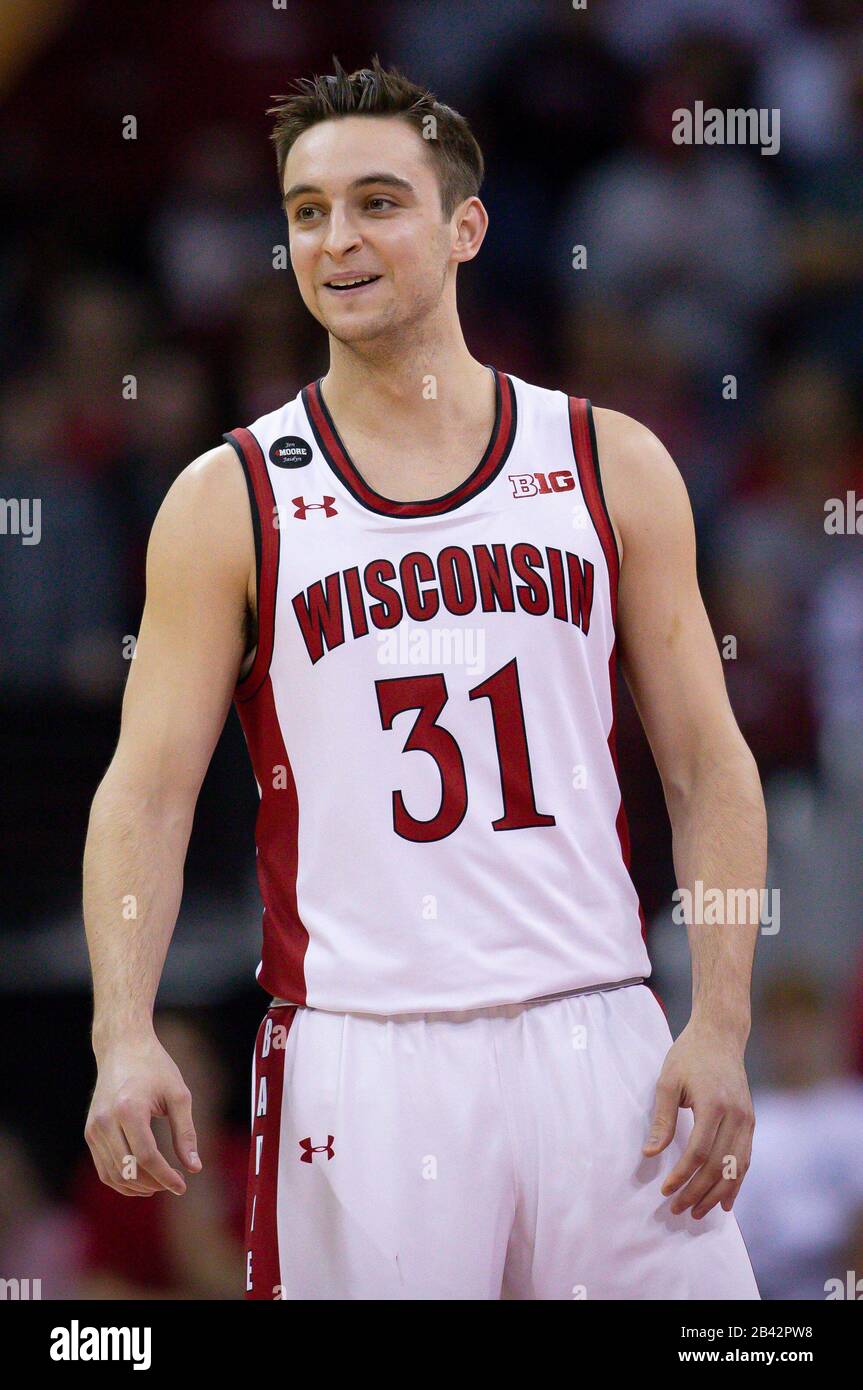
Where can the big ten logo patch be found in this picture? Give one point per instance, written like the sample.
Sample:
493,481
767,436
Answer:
535,484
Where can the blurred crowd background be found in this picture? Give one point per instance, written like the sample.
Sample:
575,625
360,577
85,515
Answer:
153,257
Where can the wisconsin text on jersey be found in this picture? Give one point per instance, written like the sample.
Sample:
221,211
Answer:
461,580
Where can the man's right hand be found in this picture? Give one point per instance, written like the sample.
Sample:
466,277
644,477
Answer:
137,1080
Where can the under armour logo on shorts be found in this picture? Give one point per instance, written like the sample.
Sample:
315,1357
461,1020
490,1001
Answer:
309,1148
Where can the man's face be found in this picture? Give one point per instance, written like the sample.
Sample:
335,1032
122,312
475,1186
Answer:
344,222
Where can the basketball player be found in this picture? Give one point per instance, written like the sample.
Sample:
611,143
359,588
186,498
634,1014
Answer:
414,579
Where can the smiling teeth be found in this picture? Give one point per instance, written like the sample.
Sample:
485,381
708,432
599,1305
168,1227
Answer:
347,284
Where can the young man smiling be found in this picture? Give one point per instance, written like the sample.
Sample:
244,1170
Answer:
453,1086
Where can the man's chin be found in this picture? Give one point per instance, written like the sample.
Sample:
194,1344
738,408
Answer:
357,332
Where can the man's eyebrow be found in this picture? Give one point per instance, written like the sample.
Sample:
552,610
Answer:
389,181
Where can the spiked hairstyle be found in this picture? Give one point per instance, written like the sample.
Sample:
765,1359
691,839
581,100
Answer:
375,92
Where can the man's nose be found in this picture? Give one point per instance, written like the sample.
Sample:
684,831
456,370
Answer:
342,234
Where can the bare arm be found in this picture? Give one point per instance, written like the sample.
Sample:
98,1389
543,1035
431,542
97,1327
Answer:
713,793
200,568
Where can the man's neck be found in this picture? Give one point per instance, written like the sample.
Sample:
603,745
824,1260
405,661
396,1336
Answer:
427,391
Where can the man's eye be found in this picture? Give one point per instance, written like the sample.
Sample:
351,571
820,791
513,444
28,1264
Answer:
377,198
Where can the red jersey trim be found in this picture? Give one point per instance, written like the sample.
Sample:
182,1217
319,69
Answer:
587,461
263,504
496,453
586,454
285,937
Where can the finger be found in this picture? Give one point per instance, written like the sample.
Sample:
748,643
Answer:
719,1192
125,1176
724,1192
728,1196
129,1175
183,1136
110,1175
744,1151
696,1153
712,1169
696,1190
140,1186
145,1151
664,1122
104,1135
106,1139
128,1189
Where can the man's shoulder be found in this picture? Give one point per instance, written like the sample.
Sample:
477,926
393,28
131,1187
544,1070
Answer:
212,477
640,479
202,513
625,437
627,447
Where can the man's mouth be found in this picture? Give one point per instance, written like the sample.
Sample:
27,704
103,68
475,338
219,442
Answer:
351,285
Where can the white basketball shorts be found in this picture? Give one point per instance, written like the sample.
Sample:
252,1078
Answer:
487,1154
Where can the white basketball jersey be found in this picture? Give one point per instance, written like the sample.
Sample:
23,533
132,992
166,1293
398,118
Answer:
430,717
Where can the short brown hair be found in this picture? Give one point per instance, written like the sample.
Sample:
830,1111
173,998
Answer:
376,92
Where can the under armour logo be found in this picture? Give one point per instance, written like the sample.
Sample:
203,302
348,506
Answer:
327,507
309,1148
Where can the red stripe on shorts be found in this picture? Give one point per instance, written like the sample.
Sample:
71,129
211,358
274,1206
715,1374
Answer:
262,1277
